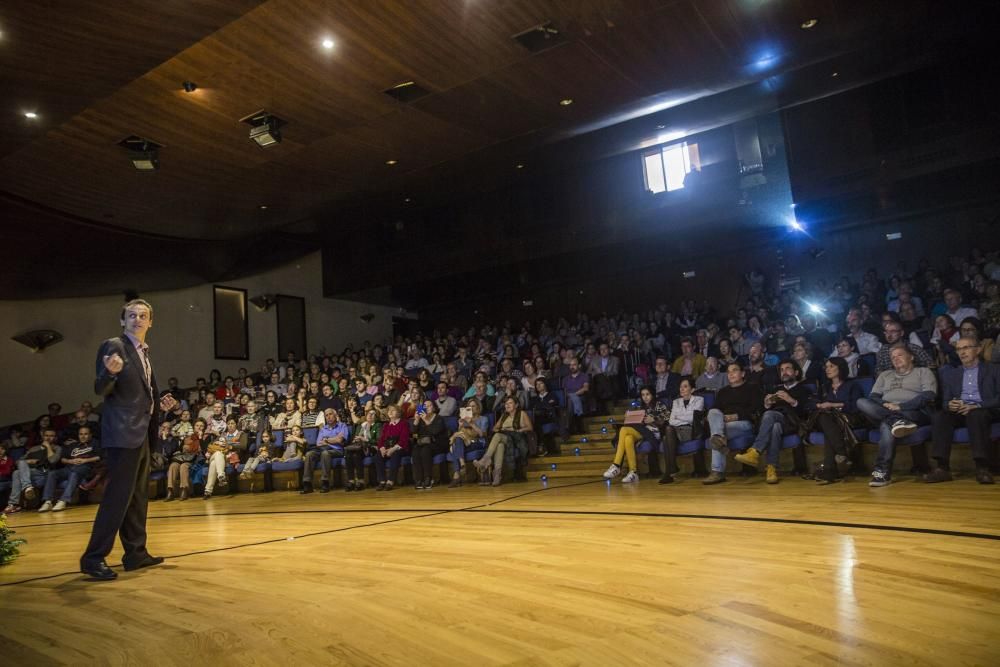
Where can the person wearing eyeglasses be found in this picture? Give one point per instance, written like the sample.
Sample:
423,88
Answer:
970,397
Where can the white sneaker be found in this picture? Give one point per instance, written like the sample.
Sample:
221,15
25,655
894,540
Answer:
902,428
612,472
631,478
60,506
46,506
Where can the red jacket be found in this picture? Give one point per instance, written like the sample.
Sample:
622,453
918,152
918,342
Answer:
6,467
401,431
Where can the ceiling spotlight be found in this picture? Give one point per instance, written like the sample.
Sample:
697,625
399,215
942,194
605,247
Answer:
328,43
835,74
265,128
31,115
263,207
661,127
566,102
519,166
189,86
143,153
407,200
809,24
390,162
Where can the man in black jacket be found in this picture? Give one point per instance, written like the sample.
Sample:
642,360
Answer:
970,396
125,379
784,408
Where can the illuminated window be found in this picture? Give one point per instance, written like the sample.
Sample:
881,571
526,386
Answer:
666,167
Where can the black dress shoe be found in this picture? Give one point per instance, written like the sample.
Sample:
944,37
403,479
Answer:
148,561
99,572
983,476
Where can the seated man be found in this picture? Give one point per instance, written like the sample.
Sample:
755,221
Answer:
711,379
970,397
330,442
784,409
576,386
666,385
735,406
78,459
898,403
446,404
893,333
777,340
757,372
31,469
603,372
689,363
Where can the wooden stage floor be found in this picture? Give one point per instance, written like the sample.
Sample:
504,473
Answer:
738,574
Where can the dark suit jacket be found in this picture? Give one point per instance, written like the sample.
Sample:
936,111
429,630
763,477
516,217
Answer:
125,416
989,384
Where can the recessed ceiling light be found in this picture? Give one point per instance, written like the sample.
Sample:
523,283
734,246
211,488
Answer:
519,165
327,43
189,86
809,24
30,114
661,127
407,200
835,74
263,207
566,102
390,162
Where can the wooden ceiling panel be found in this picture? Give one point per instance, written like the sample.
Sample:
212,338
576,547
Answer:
58,57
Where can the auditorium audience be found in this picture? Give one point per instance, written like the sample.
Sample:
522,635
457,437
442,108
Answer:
872,328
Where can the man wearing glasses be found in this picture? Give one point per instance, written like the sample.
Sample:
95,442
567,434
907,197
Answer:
970,397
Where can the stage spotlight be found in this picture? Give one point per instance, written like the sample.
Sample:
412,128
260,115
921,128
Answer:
814,308
796,225
265,128
143,153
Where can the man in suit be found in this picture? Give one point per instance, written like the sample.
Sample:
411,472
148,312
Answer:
125,379
970,397
603,371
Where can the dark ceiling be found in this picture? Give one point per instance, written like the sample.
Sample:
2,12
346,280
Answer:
96,72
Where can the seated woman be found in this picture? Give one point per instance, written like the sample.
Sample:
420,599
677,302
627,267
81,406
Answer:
354,412
836,415
680,427
625,441
294,445
510,387
366,436
216,455
235,438
545,408
509,438
288,418
430,438
393,444
726,355
425,381
847,349
410,399
470,434
183,427
181,461
263,455
812,372
531,375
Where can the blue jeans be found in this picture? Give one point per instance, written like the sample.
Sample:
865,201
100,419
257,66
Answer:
458,448
73,476
772,430
885,418
717,425
575,404
23,477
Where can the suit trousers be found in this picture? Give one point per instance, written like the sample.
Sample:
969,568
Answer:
123,507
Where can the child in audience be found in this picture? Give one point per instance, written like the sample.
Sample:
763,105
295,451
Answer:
263,454
295,445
